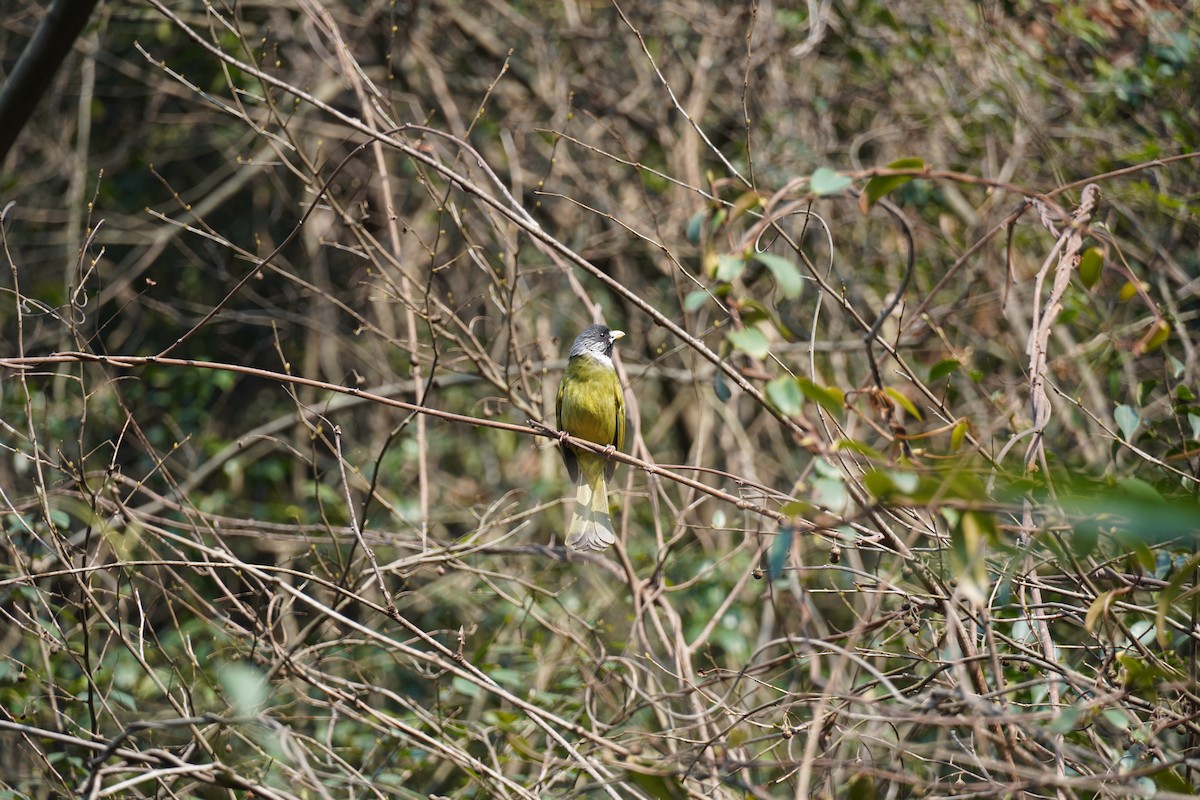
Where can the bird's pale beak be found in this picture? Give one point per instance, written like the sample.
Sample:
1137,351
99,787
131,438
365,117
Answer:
617,335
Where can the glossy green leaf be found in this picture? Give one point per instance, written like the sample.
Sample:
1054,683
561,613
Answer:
787,275
881,185
827,181
750,341
1090,266
785,395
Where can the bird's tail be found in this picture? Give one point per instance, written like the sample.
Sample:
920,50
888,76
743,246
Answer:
591,526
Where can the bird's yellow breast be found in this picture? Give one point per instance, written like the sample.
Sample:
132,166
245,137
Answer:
590,405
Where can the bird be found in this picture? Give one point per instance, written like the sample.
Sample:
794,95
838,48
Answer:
591,406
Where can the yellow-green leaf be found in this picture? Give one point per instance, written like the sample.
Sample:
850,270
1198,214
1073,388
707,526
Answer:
881,185
958,434
1153,339
903,402
748,201
856,446
1098,610
1090,266
830,399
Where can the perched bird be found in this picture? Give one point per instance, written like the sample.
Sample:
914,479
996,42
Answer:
591,406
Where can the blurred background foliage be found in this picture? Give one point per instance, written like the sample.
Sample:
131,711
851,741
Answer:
218,583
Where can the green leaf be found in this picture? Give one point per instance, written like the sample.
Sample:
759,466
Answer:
748,201
958,434
695,226
861,786
796,508
830,399
721,388
1127,420
695,300
785,395
861,448
1168,780
968,550
730,267
753,312
1139,489
787,275
655,785
879,484
1090,266
1144,389
881,185
903,402
943,368
828,181
1154,339
1067,720
779,552
750,341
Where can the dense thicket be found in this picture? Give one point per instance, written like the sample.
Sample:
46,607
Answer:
909,508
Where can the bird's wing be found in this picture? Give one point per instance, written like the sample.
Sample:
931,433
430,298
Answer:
620,423
568,454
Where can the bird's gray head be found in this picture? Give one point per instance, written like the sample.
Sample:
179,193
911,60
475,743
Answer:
596,341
